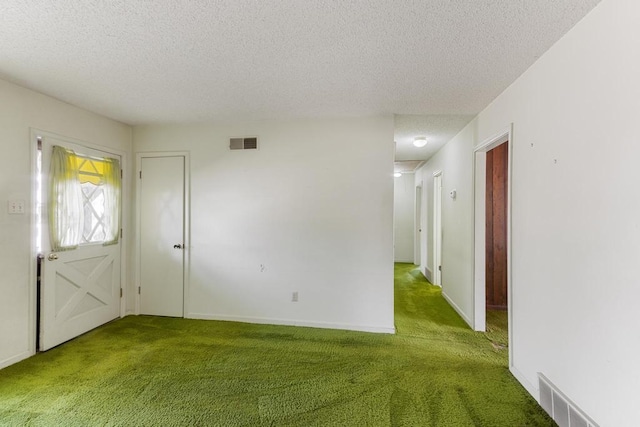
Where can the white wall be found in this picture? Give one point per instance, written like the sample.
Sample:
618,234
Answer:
453,160
20,110
404,195
575,213
314,206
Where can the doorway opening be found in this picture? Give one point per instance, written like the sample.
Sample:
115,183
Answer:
492,248
496,243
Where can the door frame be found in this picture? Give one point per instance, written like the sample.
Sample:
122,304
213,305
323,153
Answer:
186,227
34,133
437,228
479,190
417,225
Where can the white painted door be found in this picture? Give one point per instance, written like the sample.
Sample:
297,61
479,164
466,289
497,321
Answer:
417,239
162,202
79,288
437,229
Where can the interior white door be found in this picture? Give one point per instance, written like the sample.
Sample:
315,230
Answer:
437,229
80,288
417,233
162,203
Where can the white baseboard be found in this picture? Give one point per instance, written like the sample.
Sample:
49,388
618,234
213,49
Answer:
289,322
15,359
458,309
531,389
428,275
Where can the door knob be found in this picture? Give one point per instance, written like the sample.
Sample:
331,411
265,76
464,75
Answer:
52,257
177,246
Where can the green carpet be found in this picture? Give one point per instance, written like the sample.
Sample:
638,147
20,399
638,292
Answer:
153,371
498,329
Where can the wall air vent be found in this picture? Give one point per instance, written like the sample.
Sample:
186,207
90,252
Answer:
243,143
560,407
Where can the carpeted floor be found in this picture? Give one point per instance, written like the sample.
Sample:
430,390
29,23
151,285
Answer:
152,371
497,328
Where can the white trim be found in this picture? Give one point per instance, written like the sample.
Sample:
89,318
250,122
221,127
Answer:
437,230
34,133
417,224
428,274
33,262
531,388
457,309
479,291
495,140
289,322
186,230
479,249
17,358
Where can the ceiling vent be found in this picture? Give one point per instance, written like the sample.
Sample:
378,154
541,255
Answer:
245,143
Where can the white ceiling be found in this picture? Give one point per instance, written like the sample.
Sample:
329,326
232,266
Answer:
219,60
438,129
407,166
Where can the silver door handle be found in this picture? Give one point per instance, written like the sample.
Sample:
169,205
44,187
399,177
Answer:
177,246
52,257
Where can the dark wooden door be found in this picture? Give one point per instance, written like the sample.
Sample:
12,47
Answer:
496,227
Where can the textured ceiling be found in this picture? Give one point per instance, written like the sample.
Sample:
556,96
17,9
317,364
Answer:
438,129
219,60
406,166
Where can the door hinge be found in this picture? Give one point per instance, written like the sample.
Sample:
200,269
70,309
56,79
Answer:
121,174
39,143
140,174
138,290
439,268
120,292
121,233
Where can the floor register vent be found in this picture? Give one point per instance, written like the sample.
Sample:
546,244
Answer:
244,143
560,407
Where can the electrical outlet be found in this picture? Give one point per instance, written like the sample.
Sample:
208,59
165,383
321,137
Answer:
15,207
294,296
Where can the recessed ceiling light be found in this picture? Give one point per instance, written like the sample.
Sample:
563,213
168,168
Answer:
397,174
420,141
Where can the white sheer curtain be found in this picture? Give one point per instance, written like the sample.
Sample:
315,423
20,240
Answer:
66,212
112,189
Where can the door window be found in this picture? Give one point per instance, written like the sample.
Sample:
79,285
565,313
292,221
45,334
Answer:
85,195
